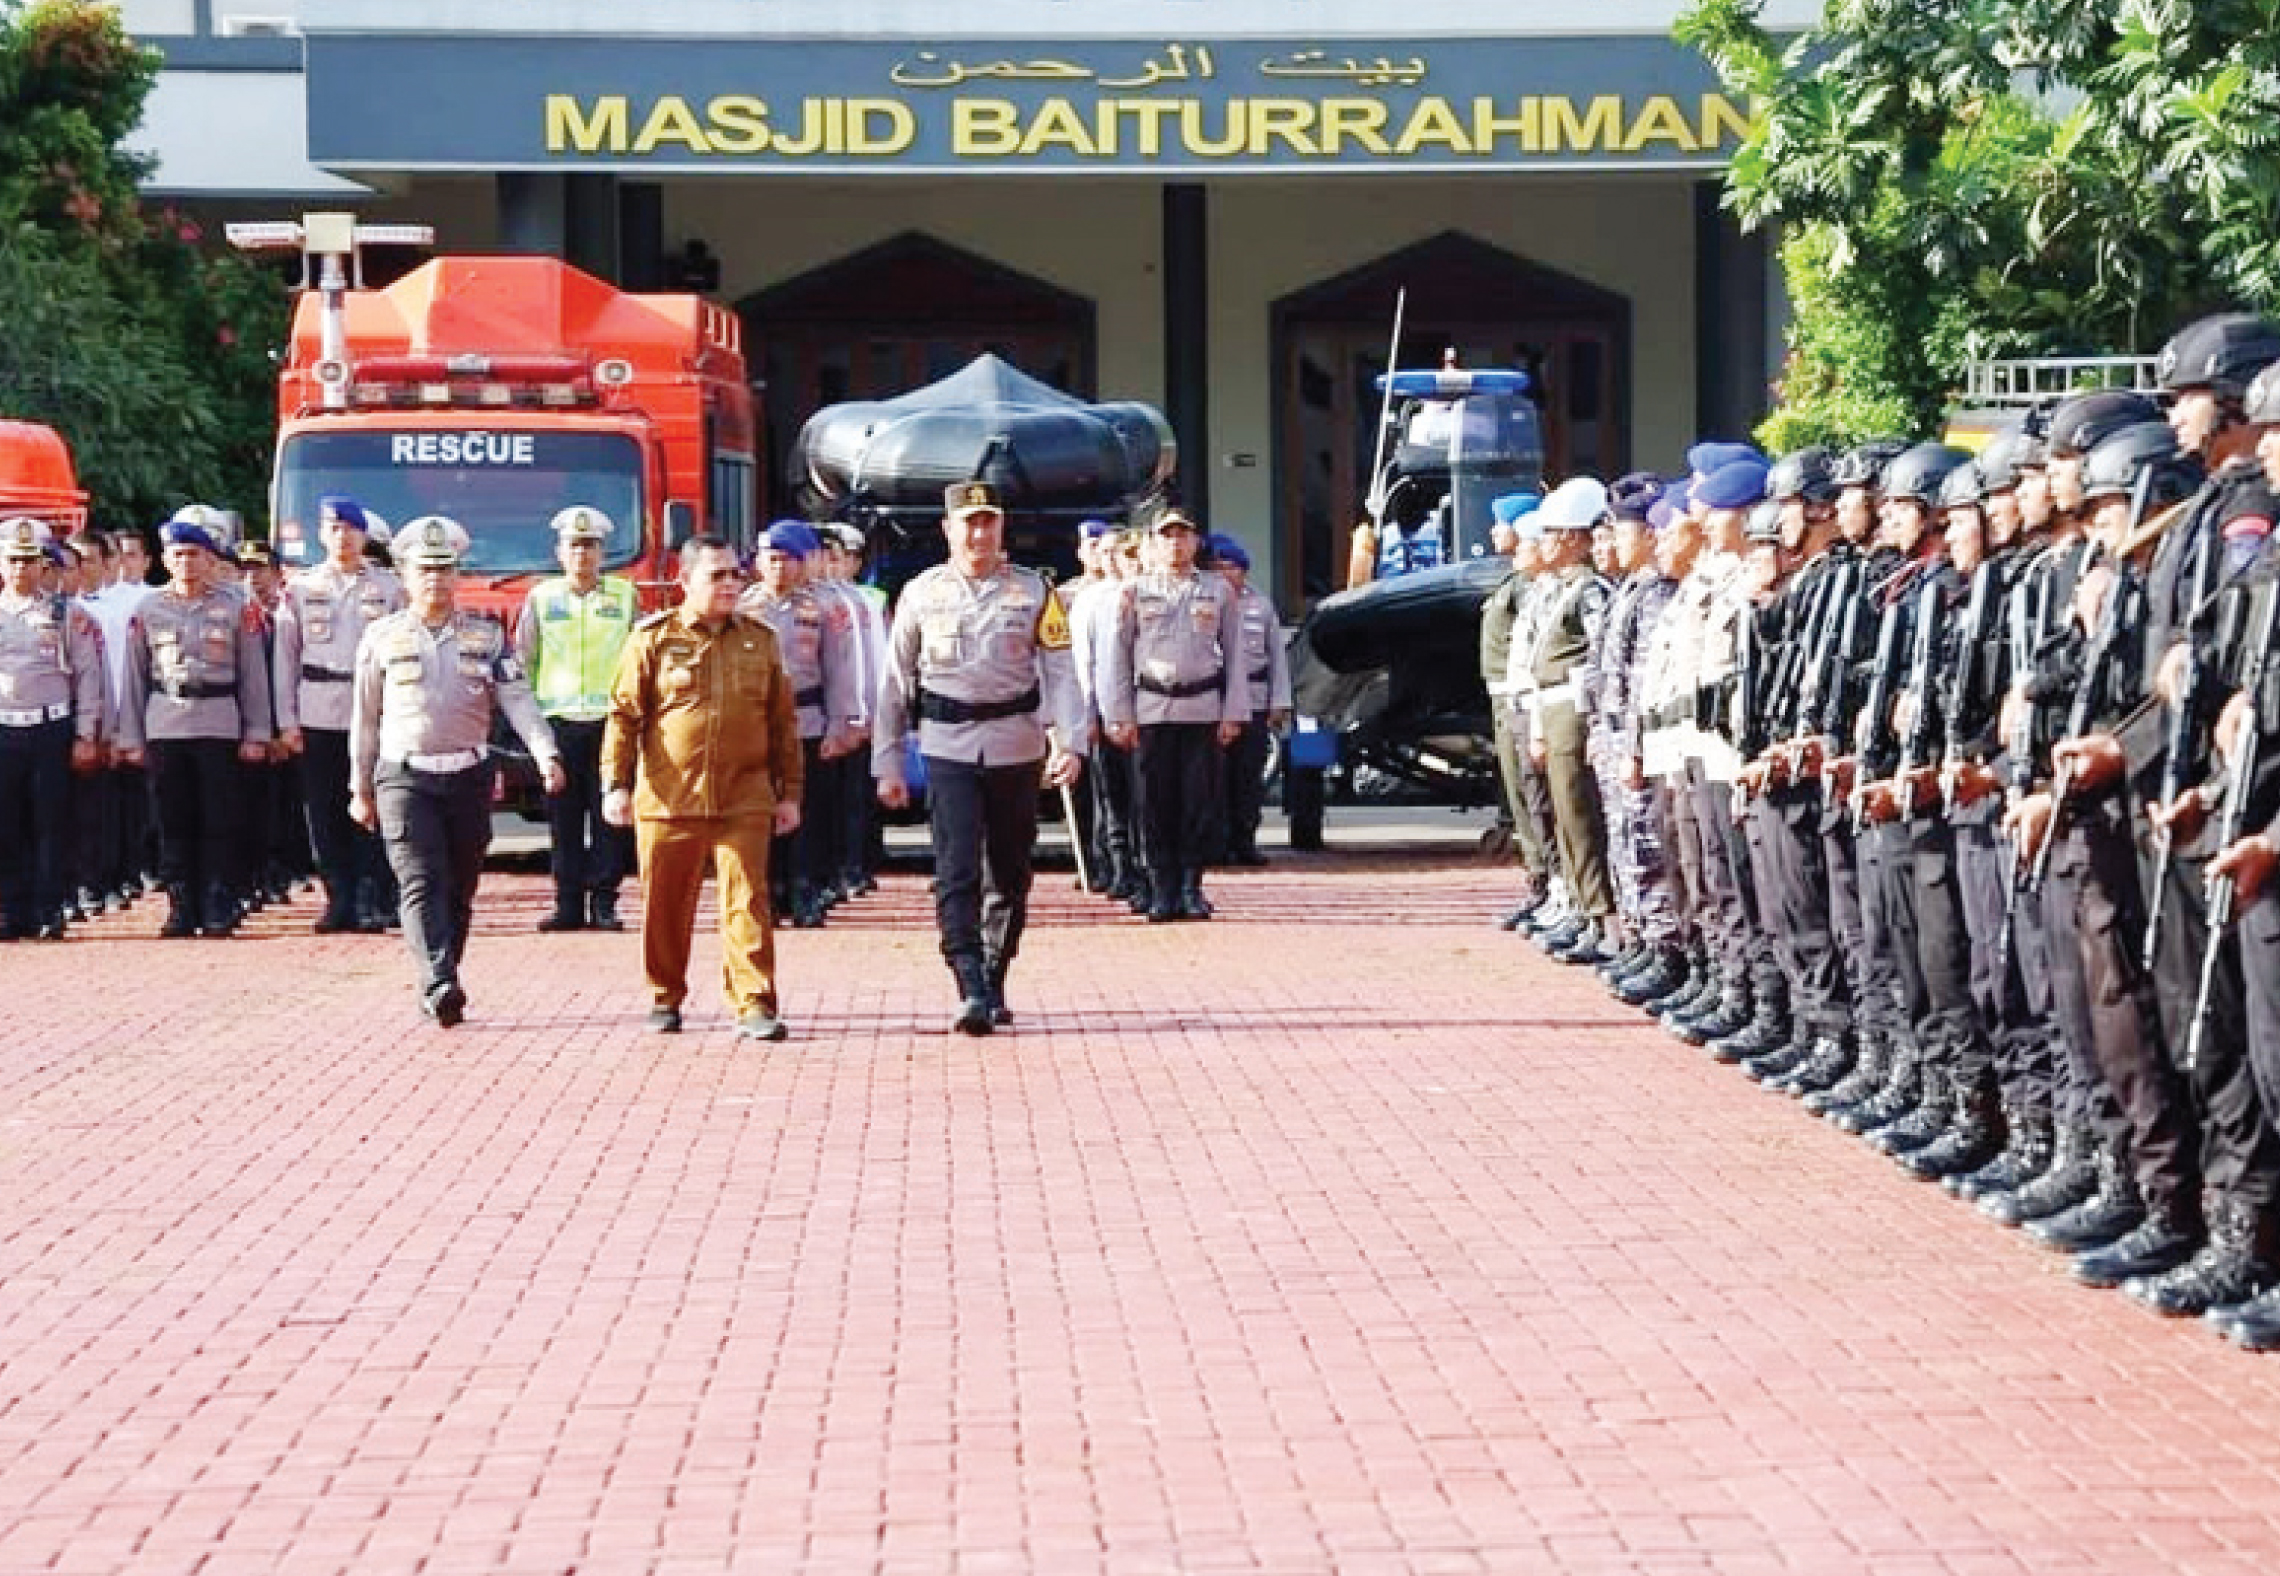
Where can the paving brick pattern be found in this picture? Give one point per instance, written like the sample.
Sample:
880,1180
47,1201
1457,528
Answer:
1342,1234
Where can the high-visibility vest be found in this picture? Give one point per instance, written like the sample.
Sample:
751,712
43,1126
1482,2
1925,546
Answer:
579,638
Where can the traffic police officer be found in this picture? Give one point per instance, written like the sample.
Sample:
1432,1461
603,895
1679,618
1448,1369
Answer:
198,697
321,619
51,723
569,635
429,681
1266,684
978,664
1176,695
702,754
1575,599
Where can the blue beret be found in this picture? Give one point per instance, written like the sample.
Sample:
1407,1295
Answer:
1734,486
792,536
346,510
1681,495
1094,530
1704,459
181,533
1509,508
1226,550
1661,512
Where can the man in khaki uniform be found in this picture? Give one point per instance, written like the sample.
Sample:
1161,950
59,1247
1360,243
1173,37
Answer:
702,755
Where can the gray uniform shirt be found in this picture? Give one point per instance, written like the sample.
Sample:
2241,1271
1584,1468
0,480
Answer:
1259,648
51,660
815,633
321,620
432,691
979,642
195,670
1169,660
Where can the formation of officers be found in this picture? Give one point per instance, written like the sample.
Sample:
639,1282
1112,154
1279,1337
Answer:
1939,792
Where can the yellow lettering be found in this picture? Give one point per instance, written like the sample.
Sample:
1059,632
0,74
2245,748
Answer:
1660,121
1361,119
814,117
671,120
1722,121
1058,125
1227,145
1600,128
1487,126
739,123
1150,114
984,128
568,127
1291,120
1432,121
899,127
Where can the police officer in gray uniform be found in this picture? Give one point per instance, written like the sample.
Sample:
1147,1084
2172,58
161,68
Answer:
1266,683
1175,693
52,696
197,694
428,681
978,662
321,619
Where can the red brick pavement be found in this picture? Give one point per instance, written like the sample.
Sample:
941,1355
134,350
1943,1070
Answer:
1343,1234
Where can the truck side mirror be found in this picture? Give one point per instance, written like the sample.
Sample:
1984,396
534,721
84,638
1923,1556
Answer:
680,525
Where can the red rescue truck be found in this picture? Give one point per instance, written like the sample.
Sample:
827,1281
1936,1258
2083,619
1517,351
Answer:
499,391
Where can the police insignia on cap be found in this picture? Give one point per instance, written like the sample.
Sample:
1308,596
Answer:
22,538
973,497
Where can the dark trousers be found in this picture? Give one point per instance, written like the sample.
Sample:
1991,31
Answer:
127,828
1793,902
1841,861
2260,970
2020,1039
1894,994
35,810
1724,908
197,790
794,861
345,852
1951,1026
1179,795
435,826
858,810
90,817
1247,787
1115,846
588,856
984,824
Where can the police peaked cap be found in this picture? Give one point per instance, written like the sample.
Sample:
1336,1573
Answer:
1963,488
1709,457
1630,497
1863,464
24,537
2005,455
796,537
2219,354
1733,486
1918,473
2083,419
432,540
581,523
1809,474
2114,465
2263,400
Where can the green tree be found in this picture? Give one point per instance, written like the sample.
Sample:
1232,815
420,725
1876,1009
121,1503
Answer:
147,348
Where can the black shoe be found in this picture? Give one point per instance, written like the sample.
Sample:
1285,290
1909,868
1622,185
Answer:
562,919
2026,1155
218,914
2164,1238
1143,899
1894,1098
50,929
1763,1035
1683,989
1729,1015
973,1016
181,914
602,912
1001,1016
2230,1271
339,913
1922,1124
449,1008
807,915
1247,859
2069,1179
1558,938
1661,975
2106,1216
1871,1064
1828,1062
665,1020
1974,1136
2259,1319
1582,949
1787,1054
1193,904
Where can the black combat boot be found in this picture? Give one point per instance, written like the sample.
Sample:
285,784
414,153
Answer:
1193,904
1163,897
2026,1155
2235,1267
1142,897
1923,1122
1723,1014
567,914
602,910
1664,969
1974,1136
340,910
1773,1067
2069,1179
1828,1063
218,914
2255,1326
181,912
1894,1098
1870,1064
2167,1236
994,968
1694,969
974,1001
1627,956
2106,1216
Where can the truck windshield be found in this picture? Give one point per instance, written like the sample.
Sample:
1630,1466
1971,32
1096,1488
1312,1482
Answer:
503,485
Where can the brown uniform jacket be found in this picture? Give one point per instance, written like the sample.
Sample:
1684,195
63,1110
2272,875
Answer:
707,718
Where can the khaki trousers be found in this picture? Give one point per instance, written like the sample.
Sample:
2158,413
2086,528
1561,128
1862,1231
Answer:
674,856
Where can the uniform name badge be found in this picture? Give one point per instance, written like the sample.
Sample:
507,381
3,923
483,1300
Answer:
216,640
1160,670
940,639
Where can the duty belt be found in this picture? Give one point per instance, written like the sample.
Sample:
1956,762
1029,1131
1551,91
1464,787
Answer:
1261,675
941,708
808,697
454,761
1180,691
35,716
316,675
199,691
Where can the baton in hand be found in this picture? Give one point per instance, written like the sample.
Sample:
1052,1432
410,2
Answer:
1076,836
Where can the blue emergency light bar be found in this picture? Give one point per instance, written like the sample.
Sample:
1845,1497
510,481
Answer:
1453,382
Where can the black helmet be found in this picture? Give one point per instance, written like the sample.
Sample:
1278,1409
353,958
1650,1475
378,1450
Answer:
1920,472
2219,354
1764,522
2262,402
1863,464
2007,453
1963,486
2082,419
2114,465
1809,474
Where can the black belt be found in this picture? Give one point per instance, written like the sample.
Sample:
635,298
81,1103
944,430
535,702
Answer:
1262,675
319,675
1181,691
941,708
199,691
808,697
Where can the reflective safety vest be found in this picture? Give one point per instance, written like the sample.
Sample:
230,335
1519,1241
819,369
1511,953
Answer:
579,638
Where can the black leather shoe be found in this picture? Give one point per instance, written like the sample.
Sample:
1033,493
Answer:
2106,1216
562,919
1001,1016
2166,1237
1163,903
973,1015
339,914
449,1008
218,914
1142,899
807,915
1193,904
602,912
181,914
2232,1269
